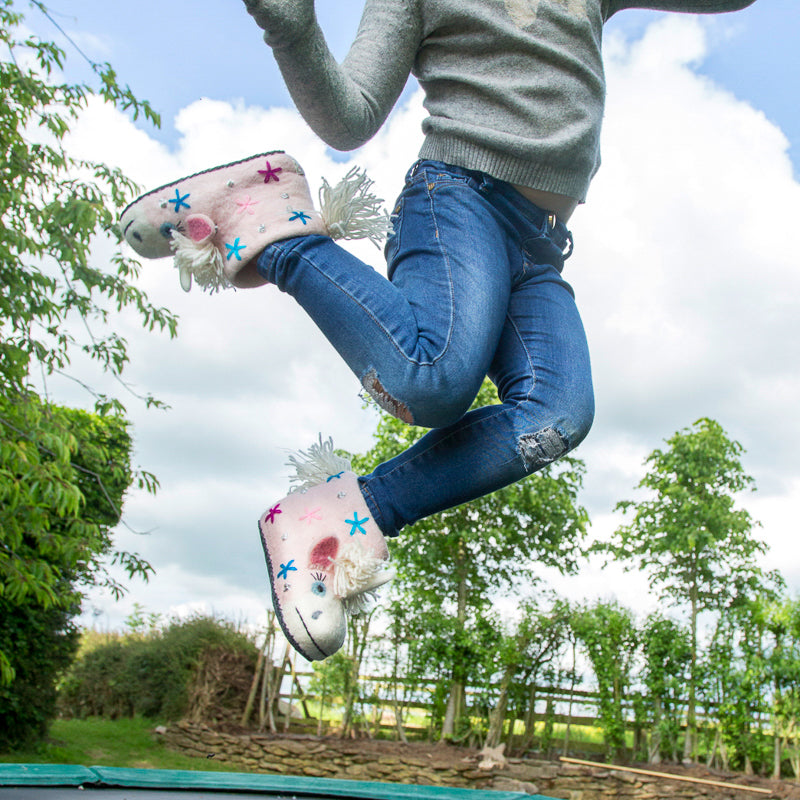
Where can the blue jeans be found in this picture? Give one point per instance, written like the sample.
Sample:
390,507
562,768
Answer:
474,289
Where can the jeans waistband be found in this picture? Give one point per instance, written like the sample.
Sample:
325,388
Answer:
547,220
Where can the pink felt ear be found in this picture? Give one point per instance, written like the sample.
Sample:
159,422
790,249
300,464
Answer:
199,227
323,553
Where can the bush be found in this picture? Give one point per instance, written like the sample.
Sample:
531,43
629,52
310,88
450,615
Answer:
41,642
200,667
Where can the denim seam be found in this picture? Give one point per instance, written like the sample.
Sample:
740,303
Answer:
446,257
531,368
372,504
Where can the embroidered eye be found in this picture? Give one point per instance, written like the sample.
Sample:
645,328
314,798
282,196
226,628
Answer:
318,588
167,229
136,235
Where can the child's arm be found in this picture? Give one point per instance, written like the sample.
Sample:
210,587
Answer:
345,104
689,6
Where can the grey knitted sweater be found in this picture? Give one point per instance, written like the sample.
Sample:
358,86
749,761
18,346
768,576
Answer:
514,88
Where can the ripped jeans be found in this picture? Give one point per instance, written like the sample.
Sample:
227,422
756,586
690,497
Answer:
474,289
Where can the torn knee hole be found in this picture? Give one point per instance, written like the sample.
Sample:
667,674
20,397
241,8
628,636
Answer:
542,447
395,407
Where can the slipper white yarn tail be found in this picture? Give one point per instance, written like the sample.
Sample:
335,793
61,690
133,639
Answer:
350,211
316,465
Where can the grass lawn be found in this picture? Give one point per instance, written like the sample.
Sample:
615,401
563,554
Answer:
107,743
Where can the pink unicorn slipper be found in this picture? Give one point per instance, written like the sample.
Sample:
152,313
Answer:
217,222
325,554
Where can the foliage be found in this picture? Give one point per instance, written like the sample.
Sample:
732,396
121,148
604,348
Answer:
666,650
527,657
154,674
41,642
697,548
692,541
608,633
64,551
56,305
52,207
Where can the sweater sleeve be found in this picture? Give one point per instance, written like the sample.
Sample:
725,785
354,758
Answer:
687,6
345,104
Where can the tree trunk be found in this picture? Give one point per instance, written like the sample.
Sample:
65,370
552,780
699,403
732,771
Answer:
689,743
571,696
251,697
288,718
711,756
549,727
723,752
498,715
263,705
654,750
455,700
530,718
398,721
453,711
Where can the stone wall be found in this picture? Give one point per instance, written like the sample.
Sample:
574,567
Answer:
440,765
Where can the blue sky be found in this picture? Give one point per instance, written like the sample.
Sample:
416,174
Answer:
685,270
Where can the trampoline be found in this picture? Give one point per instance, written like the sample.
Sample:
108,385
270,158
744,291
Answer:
69,782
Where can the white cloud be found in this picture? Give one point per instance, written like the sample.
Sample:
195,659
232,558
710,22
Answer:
685,272
685,266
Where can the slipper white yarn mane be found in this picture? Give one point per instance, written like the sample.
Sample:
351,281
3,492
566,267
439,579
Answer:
199,260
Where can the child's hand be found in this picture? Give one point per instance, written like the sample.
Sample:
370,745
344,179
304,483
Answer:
283,21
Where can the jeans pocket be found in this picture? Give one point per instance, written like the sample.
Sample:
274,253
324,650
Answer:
446,176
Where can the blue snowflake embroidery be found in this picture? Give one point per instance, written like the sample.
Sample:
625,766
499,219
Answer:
286,569
357,524
233,249
180,201
301,215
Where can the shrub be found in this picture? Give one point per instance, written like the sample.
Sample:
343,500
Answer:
41,642
197,667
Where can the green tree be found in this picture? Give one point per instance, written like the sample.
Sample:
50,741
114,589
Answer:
454,566
666,652
609,636
735,683
783,624
696,546
38,636
55,305
535,645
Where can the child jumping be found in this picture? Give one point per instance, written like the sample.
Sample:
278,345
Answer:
478,238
